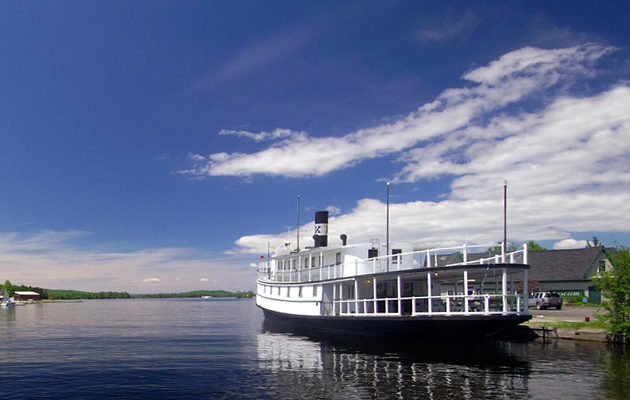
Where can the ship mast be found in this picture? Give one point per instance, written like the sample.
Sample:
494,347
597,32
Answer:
387,233
298,222
504,247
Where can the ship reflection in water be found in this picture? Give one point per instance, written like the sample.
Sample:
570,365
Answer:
312,367
372,369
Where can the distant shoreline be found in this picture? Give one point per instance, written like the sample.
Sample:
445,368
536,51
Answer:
197,294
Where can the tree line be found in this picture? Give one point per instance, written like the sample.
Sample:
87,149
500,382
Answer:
66,294
198,293
61,294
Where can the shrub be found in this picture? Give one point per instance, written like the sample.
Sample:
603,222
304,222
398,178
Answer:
615,287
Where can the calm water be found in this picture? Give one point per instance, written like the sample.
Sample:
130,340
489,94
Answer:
167,348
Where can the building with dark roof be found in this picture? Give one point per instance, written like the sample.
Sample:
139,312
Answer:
567,271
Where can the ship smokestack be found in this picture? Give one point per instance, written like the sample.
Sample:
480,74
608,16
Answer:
321,229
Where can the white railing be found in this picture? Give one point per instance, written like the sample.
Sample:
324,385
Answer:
388,263
435,305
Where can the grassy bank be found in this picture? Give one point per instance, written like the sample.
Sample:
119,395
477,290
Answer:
570,325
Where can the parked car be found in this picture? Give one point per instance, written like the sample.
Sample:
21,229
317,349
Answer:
544,300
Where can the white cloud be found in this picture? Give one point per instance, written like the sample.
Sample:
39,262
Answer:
275,134
509,79
566,162
570,244
451,29
196,158
204,280
50,259
333,210
256,56
564,147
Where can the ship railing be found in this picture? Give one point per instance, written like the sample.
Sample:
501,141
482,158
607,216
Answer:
517,256
439,257
434,305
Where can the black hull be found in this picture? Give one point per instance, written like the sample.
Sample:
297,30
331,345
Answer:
471,328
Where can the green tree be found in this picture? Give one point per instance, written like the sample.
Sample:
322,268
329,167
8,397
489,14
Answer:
533,246
615,287
594,243
496,250
8,287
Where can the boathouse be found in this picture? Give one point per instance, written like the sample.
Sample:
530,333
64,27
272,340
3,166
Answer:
27,295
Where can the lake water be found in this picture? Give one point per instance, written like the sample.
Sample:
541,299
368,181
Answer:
220,348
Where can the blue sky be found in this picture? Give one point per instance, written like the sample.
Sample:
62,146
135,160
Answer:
161,145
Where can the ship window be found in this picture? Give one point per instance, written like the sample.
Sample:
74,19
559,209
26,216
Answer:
396,256
372,253
300,291
338,258
314,291
278,290
350,291
294,263
288,292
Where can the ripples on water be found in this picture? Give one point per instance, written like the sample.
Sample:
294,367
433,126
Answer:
167,348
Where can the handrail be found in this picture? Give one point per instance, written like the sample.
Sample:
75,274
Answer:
420,259
480,304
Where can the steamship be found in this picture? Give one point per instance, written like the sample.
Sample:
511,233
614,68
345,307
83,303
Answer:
393,290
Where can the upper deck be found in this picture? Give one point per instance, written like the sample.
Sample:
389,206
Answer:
323,263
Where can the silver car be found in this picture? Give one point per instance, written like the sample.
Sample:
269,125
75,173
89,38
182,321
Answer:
544,300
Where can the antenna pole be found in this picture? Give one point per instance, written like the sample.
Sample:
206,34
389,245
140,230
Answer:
504,220
298,222
387,233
